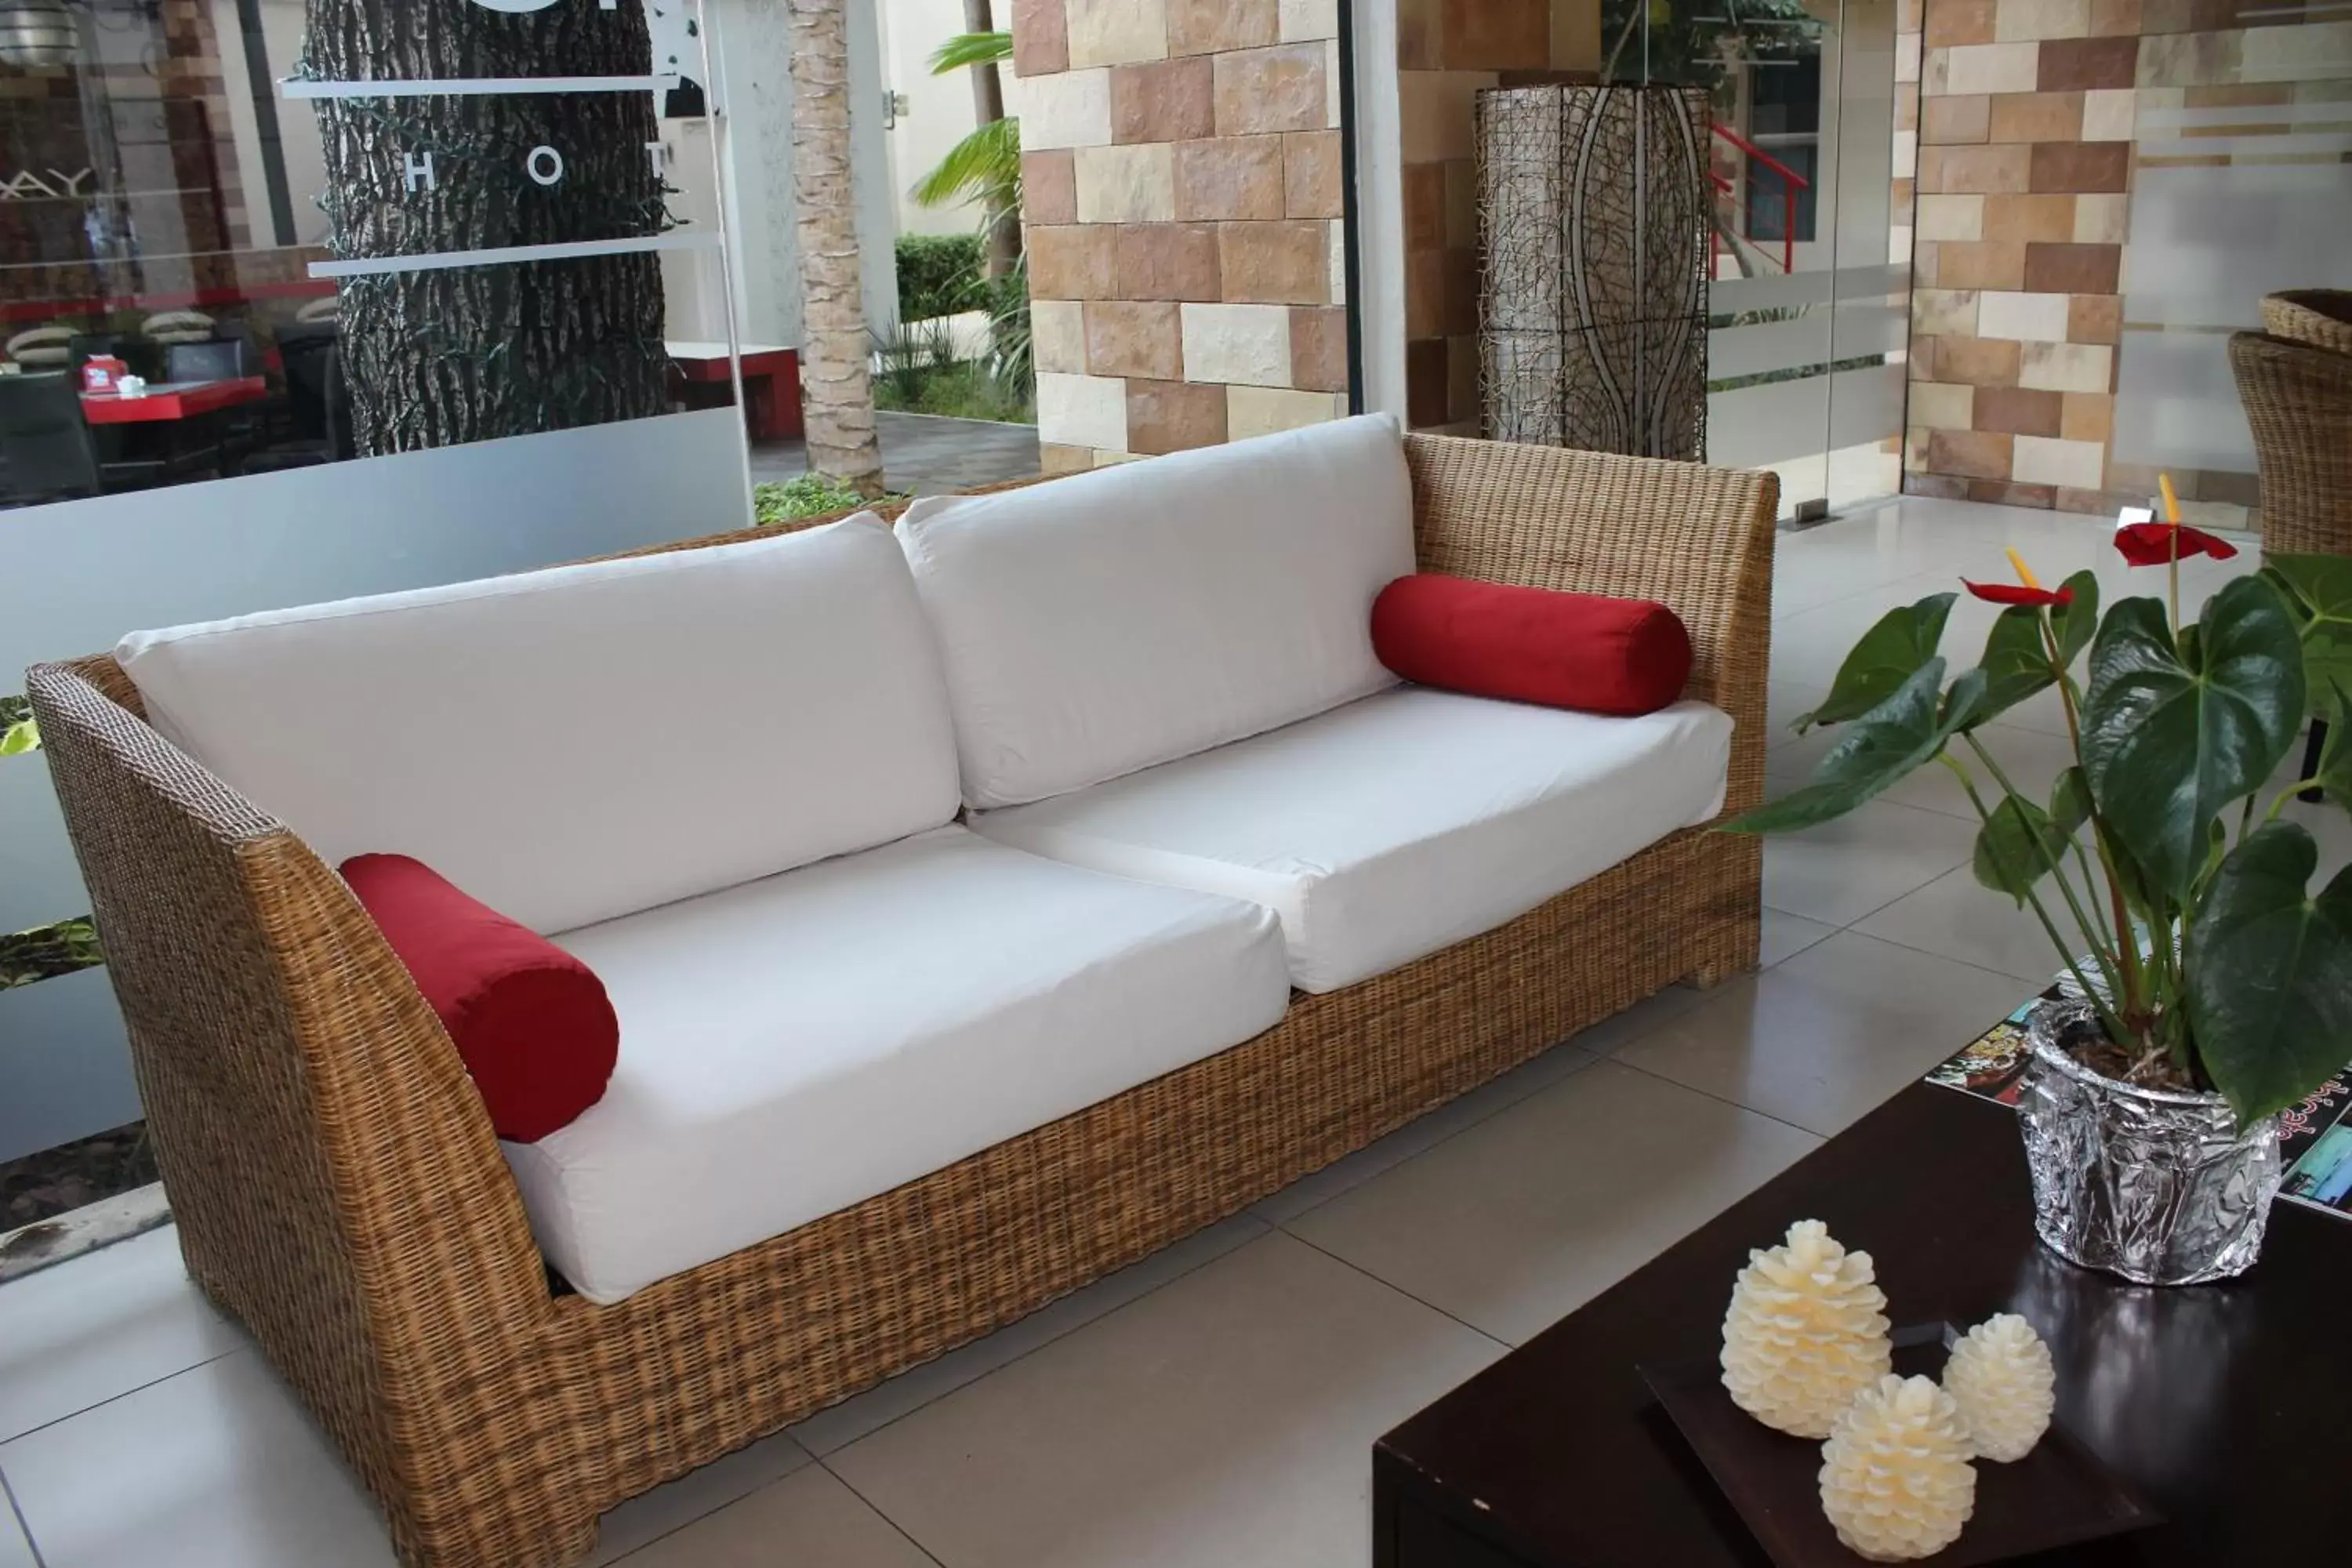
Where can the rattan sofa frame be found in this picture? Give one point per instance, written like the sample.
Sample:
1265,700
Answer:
339,1191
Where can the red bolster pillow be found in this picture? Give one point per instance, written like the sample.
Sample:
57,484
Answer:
1599,655
532,1022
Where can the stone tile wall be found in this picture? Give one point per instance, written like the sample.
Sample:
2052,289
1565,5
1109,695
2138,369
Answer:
2025,112
1181,192
1447,51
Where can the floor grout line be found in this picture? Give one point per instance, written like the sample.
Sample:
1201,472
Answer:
24,1525
1265,1227
903,1533
1392,1286
125,1394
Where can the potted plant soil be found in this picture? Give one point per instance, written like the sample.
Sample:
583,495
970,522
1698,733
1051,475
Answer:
2208,984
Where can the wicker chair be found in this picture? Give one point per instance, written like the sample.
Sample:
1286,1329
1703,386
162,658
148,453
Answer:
2320,317
339,1191
2298,401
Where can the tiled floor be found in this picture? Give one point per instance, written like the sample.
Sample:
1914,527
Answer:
1214,1404
924,454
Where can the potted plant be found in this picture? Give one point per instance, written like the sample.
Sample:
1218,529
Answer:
2208,986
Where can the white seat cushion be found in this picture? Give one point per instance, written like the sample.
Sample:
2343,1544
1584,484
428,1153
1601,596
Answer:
1397,826
1115,619
583,743
801,1044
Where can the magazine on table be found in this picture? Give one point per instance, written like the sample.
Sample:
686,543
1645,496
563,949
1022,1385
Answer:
2315,1138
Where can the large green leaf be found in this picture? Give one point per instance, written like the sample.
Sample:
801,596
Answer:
2017,847
2165,746
25,735
2270,973
1892,741
1889,654
2078,620
2017,662
2319,590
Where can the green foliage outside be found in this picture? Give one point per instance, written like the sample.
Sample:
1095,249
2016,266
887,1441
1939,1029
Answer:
2160,867
939,274
47,952
810,495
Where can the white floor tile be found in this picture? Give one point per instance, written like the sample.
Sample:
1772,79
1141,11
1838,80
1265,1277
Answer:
828,1430
1787,935
1960,917
1427,1131
216,1468
693,1496
1526,1215
1842,871
100,1325
1225,1419
1829,1035
15,1552
809,1521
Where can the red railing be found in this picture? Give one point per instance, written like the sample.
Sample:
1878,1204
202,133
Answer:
1791,183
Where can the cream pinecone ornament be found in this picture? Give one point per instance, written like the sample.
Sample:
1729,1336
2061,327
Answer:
2001,1377
1896,1478
1806,1332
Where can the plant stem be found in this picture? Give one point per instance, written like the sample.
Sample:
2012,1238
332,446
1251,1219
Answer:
2280,803
2107,1011
2123,940
2057,874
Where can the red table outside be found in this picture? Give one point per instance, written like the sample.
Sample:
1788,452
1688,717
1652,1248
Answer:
772,383
172,400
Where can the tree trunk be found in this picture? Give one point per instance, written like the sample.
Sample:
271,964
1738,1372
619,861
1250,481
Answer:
470,353
1004,232
834,368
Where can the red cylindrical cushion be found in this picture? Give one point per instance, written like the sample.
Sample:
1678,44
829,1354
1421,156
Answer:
532,1022
1584,651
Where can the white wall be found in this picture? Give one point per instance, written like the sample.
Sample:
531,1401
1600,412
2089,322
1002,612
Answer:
940,111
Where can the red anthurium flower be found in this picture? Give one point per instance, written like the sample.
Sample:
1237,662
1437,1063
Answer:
2152,543
2018,593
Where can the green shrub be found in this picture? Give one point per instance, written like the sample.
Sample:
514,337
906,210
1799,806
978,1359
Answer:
810,495
939,274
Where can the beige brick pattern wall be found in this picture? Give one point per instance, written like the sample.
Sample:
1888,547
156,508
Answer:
2025,112
1447,51
1181,193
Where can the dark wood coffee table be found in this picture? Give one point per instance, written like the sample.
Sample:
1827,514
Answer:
2224,1406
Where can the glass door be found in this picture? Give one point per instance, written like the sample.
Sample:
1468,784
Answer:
1810,302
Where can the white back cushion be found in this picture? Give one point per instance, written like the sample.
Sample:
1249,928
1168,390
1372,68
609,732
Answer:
579,744
1116,619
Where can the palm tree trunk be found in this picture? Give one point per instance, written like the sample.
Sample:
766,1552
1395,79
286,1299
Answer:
1003,231
435,358
834,377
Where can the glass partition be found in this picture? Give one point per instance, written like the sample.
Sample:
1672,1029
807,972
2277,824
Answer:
2242,185
302,302
1810,306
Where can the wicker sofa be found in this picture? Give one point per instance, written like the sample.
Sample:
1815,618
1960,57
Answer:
339,1191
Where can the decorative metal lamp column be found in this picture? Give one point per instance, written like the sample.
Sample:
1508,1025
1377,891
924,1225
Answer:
1592,204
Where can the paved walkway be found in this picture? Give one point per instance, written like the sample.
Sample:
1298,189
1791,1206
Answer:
923,454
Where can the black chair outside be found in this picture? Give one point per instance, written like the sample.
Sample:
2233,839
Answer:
222,359
318,403
48,444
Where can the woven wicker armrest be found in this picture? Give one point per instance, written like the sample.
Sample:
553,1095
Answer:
1696,539
332,1172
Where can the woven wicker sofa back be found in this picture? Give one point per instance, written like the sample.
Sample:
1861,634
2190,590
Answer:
338,1190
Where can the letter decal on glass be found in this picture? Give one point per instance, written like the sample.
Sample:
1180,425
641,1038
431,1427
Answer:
420,172
545,165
